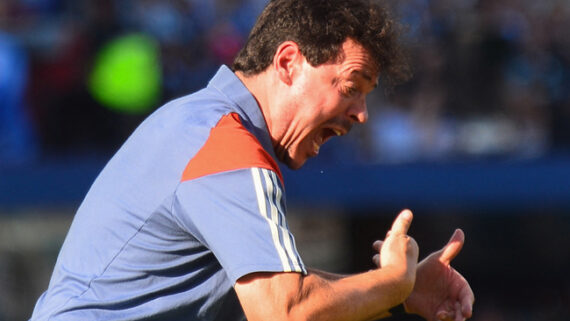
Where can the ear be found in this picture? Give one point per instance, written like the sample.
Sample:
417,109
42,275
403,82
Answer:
286,61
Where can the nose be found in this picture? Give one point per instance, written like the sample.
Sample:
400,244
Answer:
358,111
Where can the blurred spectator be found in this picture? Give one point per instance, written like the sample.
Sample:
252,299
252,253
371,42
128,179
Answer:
17,136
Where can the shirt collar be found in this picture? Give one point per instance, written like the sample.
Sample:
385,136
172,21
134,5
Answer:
227,83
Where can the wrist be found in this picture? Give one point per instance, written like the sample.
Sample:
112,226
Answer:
402,283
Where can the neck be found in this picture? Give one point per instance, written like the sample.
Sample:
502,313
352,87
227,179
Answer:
259,86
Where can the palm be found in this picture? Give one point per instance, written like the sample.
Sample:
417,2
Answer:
440,292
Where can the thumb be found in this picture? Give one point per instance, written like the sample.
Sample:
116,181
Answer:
402,223
453,247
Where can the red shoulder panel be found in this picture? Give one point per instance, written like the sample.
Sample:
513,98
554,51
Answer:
229,147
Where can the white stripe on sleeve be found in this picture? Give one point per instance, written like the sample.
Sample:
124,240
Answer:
287,238
261,197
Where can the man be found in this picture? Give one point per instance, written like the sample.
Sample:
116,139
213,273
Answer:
187,220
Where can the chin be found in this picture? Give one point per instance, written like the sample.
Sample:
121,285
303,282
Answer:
292,163
295,166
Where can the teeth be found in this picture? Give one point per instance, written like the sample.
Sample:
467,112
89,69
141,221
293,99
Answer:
337,132
316,147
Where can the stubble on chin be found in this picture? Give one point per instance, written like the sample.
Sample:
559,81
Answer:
283,155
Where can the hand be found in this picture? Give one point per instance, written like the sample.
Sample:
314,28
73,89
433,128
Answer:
440,292
399,251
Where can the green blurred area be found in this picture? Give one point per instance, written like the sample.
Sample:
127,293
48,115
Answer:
126,75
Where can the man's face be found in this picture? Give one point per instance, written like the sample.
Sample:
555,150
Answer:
326,101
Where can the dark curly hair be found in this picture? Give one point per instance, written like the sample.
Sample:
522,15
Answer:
320,27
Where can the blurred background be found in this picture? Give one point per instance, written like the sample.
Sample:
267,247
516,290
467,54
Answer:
478,139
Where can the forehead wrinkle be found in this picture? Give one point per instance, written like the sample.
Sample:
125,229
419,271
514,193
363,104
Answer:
357,62
362,65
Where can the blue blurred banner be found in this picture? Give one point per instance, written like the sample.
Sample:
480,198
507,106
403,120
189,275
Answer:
473,185
468,186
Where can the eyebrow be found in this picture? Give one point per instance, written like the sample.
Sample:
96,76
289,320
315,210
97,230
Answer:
366,76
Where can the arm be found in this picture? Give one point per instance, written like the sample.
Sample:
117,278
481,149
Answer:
325,296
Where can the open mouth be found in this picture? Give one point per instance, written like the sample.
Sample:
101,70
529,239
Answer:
330,132
324,136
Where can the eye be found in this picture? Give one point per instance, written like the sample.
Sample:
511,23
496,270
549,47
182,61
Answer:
349,91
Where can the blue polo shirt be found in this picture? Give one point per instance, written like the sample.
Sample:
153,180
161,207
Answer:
190,203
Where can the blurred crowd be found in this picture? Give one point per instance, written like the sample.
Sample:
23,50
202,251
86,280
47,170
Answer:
491,77
48,52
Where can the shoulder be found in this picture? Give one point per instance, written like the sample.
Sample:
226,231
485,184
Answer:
229,146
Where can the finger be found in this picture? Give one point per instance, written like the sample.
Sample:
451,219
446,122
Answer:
453,247
377,245
376,260
445,312
467,299
467,309
444,316
458,314
402,223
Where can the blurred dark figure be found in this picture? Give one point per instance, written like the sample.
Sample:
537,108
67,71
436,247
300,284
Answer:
17,136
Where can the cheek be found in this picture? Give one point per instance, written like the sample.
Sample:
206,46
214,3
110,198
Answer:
318,103
332,107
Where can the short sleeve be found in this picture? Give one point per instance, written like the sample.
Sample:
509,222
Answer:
239,216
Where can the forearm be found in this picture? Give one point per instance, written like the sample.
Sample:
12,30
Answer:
322,295
366,296
335,276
